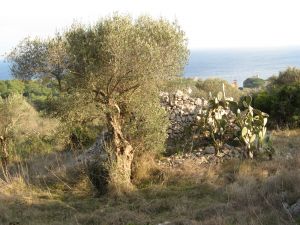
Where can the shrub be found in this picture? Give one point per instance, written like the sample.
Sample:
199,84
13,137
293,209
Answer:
289,76
281,103
280,99
213,86
253,82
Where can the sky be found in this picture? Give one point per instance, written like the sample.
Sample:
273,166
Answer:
207,23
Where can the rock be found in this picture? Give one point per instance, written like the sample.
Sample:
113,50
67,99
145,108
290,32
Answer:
226,151
189,90
295,208
94,160
190,118
209,150
172,116
202,160
178,93
165,223
178,118
228,146
198,101
198,154
221,154
183,111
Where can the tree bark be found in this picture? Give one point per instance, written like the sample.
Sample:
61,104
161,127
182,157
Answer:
122,150
4,156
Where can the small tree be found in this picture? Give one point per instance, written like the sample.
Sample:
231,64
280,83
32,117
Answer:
42,59
57,61
114,63
28,59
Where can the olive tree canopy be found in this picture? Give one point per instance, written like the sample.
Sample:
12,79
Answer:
118,65
40,59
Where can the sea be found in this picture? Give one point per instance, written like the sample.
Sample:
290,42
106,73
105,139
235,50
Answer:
228,64
4,70
240,64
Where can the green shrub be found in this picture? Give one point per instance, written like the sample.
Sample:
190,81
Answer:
281,103
31,146
214,86
289,76
181,83
253,82
280,99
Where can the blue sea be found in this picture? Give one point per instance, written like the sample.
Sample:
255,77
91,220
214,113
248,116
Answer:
4,70
229,64
241,64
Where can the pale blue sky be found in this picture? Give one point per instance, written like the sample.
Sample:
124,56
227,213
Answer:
208,24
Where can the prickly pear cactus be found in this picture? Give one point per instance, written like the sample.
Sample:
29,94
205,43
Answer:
252,123
218,119
223,121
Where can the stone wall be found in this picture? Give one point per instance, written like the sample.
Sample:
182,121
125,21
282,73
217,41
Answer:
183,111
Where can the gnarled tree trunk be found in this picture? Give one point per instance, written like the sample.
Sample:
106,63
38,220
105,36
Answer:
122,155
4,156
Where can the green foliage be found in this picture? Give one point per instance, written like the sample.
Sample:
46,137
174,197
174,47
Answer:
281,98
23,130
31,145
81,120
181,83
147,123
213,86
118,66
34,91
40,59
253,82
38,94
28,59
10,87
281,102
14,111
290,76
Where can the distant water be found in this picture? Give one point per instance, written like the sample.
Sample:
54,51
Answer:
229,64
241,64
4,70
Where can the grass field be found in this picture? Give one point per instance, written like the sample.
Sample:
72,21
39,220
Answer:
52,190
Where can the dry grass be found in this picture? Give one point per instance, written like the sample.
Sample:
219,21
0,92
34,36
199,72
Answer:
54,191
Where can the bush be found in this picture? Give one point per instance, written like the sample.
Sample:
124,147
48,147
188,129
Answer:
181,83
214,86
34,91
281,98
253,82
289,76
9,87
281,103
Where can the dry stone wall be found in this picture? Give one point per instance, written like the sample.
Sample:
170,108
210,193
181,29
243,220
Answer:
183,111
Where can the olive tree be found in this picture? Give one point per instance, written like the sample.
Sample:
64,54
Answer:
118,65
40,59
28,59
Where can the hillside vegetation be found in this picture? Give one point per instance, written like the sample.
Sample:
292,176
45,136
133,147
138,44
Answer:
86,134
